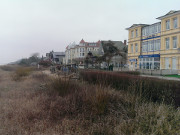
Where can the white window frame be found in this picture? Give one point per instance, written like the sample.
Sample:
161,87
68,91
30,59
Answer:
158,44
151,45
136,32
167,24
167,43
175,23
174,42
136,47
159,27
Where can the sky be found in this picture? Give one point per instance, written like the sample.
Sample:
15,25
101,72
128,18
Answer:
31,26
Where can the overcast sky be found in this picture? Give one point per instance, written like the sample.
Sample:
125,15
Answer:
29,26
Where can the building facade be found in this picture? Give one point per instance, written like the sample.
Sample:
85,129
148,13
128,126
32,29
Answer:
55,57
75,53
155,46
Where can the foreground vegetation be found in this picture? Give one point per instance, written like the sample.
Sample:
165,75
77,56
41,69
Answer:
39,104
151,89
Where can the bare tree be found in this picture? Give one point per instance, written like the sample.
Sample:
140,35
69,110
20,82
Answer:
109,52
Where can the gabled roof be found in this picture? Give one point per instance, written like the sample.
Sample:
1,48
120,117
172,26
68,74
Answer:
170,13
136,25
82,41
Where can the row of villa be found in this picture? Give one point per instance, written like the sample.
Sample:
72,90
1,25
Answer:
76,53
155,46
150,47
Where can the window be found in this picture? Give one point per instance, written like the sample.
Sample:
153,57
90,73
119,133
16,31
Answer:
175,23
158,44
136,33
150,30
144,46
167,25
155,45
167,43
151,45
156,28
147,31
159,27
166,63
132,34
143,32
136,47
132,48
173,63
174,42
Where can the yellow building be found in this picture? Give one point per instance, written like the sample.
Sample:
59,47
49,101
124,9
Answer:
155,46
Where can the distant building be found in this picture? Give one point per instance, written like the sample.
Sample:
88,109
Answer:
55,57
155,46
75,53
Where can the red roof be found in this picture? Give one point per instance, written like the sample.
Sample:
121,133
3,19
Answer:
82,41
98,42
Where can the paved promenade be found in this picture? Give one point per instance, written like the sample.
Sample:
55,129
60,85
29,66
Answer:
162,77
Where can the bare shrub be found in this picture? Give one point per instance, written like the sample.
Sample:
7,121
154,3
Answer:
151,89
98,100
63,87
21,72
42,77
151,118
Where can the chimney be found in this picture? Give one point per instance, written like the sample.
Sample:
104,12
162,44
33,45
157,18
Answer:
124,42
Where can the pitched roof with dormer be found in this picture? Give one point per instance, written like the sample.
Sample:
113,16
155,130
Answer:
82,41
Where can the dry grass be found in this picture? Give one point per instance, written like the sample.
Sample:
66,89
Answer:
150,89
9,67
21,72
42,105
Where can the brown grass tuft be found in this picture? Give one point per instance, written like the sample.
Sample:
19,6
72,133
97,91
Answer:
21,72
